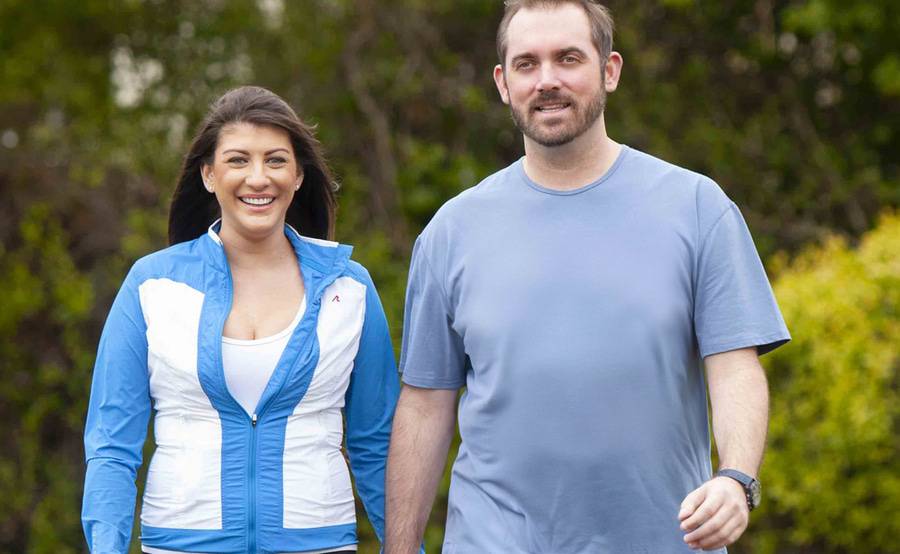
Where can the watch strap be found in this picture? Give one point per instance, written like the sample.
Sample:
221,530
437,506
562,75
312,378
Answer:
745,481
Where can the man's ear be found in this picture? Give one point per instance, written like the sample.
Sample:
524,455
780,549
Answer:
612,71
500,81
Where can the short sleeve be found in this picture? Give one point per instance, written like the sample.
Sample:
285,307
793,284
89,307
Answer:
734,305
432,355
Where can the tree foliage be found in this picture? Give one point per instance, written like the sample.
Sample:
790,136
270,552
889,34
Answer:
792,106
832,472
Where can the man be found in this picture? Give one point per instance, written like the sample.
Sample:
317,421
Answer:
574,294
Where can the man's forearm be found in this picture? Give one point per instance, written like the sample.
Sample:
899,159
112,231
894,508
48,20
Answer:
739,396
423,427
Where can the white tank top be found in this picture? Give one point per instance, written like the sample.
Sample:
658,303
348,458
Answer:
249,364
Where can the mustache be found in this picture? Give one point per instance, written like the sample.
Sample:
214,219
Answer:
550,96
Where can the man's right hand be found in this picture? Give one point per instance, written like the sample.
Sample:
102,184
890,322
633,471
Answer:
420,439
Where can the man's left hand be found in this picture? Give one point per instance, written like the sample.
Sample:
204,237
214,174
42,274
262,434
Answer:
715,514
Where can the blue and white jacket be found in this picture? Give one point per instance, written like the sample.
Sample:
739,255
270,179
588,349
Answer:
220,480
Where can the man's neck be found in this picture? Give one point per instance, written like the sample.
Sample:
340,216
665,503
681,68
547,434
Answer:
572,165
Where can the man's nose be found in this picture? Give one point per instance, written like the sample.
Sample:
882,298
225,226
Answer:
548,79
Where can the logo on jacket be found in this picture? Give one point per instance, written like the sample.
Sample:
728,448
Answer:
337,298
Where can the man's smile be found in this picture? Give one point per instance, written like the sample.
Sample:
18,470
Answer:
551,108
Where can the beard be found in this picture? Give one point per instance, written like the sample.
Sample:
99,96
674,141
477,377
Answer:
559,134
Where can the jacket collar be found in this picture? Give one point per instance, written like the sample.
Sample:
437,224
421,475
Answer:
323,257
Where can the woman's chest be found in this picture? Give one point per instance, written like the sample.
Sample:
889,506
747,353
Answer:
263,305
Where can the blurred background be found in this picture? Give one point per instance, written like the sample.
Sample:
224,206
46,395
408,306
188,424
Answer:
792,106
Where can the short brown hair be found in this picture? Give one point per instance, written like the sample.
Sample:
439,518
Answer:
598,15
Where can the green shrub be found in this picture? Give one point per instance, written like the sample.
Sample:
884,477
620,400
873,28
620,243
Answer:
832,472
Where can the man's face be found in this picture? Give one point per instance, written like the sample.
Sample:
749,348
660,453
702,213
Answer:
554,79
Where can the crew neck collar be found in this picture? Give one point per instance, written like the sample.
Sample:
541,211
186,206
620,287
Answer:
520,169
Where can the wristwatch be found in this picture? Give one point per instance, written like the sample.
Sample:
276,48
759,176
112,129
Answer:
751,486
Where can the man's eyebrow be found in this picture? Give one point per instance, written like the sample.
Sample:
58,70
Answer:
571,50
558,53
525,56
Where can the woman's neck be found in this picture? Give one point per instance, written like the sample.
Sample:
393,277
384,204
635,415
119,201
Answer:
246,252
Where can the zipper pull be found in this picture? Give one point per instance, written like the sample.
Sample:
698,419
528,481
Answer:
253,420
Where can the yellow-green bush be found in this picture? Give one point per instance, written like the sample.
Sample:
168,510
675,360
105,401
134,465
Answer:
832,472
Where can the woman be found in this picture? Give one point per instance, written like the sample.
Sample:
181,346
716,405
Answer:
247,337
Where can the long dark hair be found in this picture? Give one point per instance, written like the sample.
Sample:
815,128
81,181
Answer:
193,208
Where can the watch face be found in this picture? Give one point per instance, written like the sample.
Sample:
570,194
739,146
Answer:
755,493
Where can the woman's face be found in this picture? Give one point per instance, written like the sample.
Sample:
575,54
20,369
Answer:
254,175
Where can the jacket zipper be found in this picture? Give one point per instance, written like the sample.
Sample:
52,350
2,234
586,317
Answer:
251,477
252,530
251,466
251,527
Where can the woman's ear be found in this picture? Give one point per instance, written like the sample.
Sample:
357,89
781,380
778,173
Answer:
207,178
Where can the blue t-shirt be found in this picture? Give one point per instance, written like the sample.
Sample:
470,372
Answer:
577,321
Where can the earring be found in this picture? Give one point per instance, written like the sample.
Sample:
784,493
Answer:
208,185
